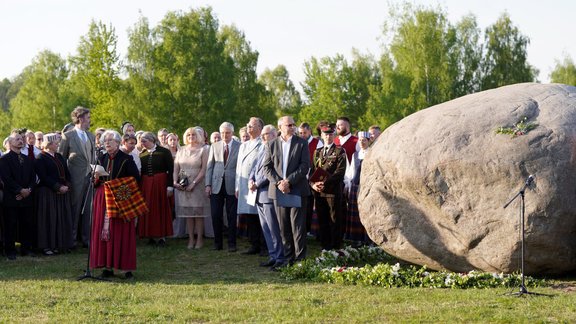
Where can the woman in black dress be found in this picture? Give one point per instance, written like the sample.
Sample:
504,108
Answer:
53,207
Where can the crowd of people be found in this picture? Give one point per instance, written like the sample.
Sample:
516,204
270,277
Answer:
69,189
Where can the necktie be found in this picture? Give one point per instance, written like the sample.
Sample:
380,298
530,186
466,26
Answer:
226,153
83,136
31,152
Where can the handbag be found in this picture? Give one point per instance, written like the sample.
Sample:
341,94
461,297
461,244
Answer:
183,180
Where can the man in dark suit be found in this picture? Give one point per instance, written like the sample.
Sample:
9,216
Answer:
328,193
17,174
78,148
286,165
220,181
314,143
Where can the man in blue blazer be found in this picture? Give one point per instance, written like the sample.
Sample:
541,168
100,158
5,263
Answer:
286,165
220,182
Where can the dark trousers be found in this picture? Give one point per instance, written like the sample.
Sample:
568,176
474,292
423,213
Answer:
255,236
217,203
292,223
330,220
309,212
21,220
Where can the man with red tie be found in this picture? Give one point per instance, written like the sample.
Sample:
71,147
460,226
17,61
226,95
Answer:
220,182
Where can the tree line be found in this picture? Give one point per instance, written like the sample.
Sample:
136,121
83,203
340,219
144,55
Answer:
189,70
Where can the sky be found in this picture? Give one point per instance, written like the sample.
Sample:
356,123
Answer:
287,32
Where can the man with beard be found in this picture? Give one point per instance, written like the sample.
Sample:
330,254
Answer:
17,174
78,148
345,138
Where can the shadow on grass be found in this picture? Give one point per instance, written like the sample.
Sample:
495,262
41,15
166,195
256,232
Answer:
172,264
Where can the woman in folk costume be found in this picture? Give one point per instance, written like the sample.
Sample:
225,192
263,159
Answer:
354,230
54,209
157,171
113,241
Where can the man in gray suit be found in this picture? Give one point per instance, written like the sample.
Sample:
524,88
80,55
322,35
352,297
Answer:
77,147
286,165
220,181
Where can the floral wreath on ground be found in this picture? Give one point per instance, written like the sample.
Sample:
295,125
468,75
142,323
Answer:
340,266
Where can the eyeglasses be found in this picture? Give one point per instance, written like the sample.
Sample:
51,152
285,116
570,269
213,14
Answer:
289,125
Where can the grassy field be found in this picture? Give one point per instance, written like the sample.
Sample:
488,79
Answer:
177,285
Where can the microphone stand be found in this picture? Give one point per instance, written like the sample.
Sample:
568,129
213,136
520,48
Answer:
90,192
523,290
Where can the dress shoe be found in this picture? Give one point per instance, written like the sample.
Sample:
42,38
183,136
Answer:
128,275
251,250
232,249
278,265
268,263
151,242
107,273
161,242
217,248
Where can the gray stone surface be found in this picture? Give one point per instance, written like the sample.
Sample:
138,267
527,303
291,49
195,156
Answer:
434,185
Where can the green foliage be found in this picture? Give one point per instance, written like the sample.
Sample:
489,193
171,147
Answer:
188,70
336,88
505,61
95,74
39,102
281,96
182,75
564,72
338,267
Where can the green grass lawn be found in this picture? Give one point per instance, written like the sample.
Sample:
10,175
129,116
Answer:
177,285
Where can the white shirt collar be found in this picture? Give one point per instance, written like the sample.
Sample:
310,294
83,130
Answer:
343,139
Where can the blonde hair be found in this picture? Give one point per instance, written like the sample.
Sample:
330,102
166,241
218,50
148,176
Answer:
198,131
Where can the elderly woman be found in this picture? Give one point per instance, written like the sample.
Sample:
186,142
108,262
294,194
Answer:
189,170
157,170
113,240
354,230
54,213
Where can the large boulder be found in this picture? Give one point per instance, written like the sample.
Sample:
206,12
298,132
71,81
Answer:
434,185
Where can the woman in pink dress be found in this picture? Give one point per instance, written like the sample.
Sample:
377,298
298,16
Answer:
189,170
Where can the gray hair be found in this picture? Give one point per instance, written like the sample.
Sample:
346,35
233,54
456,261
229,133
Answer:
227,125
149,136
115,136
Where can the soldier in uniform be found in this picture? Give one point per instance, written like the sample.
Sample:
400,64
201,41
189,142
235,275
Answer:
328,192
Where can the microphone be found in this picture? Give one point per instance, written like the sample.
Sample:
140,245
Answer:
529,180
